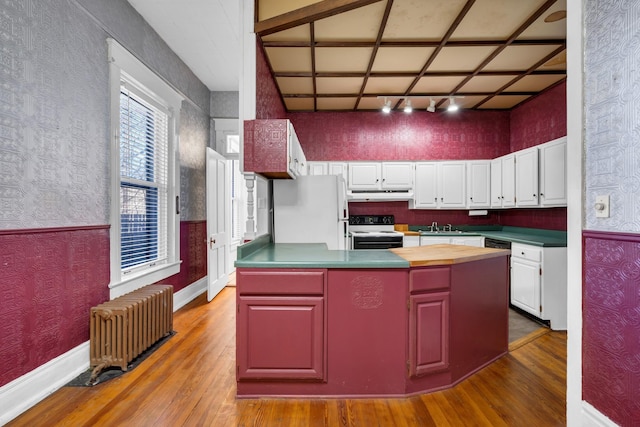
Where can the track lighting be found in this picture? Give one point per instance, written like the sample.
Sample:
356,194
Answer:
407,106
452,104
387,106
432,105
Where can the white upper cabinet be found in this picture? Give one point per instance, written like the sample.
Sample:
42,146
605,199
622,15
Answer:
452,185
338,168
328,168
317,168
426,188
553,173
440,185
478,184
365,176
372,176
503,182
297,159
397,176
527,177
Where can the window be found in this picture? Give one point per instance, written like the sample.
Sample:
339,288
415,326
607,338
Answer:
145,182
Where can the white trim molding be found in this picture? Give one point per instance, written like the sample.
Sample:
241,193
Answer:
591,417
26,391
186,295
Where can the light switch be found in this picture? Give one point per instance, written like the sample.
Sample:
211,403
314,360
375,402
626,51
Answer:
602,206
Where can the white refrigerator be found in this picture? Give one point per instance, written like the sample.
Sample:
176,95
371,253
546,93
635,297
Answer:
311,209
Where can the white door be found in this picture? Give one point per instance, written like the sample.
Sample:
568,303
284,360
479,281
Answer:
217,233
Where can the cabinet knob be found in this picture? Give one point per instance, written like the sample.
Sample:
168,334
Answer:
541,194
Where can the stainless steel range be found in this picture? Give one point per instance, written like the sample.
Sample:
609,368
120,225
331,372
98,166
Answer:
374,232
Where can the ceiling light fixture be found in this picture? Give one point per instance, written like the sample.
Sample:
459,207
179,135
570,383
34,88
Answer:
387,106
407,106
452,104
432,105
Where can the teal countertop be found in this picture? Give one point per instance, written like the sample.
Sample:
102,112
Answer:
527,236
265,254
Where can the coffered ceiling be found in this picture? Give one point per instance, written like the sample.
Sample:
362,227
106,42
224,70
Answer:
348,55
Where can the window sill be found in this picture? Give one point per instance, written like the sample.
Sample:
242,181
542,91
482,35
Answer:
148,277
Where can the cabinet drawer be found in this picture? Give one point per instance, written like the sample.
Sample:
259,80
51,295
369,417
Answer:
429,279
527,252
280,282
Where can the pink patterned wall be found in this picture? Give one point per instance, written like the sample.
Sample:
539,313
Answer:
268,102
49,279
541,119
266,146
193,253
397,136
611,325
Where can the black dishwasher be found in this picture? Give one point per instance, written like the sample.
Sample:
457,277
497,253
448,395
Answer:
501,244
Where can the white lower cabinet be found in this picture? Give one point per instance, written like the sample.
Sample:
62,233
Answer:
539,282
410,241
454,240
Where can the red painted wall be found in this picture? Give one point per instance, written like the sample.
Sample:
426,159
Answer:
193,253
611,325
268,102
541,119
397,136
50,279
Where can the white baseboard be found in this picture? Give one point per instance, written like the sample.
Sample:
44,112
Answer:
591,417
24,392
188,294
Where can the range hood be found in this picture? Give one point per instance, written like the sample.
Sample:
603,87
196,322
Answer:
380,196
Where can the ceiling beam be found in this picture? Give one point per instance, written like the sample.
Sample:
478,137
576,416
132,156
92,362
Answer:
307,14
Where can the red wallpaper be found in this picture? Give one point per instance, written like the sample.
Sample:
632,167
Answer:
397,136
547,218
266,142
49,279
268,102
611,325
193,253
541,119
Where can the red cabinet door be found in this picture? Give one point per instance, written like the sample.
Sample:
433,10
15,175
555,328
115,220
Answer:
429,333
280,337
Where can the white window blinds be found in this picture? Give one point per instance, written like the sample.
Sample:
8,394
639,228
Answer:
144,156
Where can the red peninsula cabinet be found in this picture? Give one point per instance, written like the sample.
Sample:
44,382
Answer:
429,320
281,324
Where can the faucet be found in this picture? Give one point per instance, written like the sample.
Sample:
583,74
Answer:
434,226
447,226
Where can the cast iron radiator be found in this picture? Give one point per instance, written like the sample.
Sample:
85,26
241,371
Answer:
121,329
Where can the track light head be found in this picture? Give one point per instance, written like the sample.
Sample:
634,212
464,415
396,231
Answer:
407,106
452,105
432,105
387,106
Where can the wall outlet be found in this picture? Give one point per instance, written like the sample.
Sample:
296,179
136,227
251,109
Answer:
602,206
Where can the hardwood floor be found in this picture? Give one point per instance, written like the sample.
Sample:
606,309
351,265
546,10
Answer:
190,381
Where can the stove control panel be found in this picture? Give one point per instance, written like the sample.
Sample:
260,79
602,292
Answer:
371,220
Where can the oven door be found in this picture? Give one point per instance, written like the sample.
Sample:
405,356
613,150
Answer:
376,242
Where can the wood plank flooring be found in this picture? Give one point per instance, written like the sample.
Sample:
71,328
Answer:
190,381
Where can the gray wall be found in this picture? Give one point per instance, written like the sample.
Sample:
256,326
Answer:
54,114
612,112
225,105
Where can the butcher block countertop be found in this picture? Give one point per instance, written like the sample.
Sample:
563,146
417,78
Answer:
445,254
